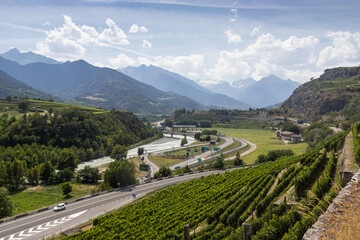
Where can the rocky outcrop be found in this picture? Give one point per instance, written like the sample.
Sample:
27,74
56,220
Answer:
333,91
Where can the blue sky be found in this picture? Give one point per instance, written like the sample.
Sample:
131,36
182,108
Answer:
207,41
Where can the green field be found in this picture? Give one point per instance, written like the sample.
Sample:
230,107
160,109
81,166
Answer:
11,107
165,160
42,196
265,140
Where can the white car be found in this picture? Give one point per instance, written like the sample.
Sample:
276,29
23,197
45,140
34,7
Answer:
59,207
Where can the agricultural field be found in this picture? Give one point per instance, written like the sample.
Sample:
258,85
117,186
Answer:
265,140
42,196
216,206
11,108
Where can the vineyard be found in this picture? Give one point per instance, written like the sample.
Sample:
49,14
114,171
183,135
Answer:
280,199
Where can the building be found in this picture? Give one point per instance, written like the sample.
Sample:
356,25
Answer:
288,136
179,128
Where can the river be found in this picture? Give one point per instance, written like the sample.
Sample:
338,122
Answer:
165,143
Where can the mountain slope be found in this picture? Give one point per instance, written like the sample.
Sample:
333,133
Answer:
169,81
26,57
268,91
14,88
100,87
333,91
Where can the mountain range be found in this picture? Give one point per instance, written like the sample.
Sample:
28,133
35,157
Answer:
267,91
171,82
24,58
100,87
12,87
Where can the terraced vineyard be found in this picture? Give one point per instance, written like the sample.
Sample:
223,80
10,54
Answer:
216,207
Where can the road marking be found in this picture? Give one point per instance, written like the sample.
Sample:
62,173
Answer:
34,230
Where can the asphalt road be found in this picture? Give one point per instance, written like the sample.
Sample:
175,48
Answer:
46,223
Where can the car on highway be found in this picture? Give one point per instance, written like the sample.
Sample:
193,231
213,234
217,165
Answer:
59,207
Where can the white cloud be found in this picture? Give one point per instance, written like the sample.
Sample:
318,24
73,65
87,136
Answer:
146,44
344,51
135,28
122,61
143,29
70,40
232,37
255,30
232,20
267,55
113,34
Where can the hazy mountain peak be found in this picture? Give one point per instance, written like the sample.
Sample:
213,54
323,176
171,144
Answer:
24,58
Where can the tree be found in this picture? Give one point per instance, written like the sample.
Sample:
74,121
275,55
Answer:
46,169
67,159
119,152
23,106
15,172
219,162
66,175
164,171
66,189
33,175
238,161
197,136
2,173
5,203
54,178
183,142
291,127
140,151
88,175
120,174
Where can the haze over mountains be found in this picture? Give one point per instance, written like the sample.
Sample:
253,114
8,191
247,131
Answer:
265,92
168,81
143,89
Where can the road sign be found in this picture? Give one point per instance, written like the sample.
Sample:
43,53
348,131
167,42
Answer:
178,167
134,195
196,150
144,167
199,160
206,148
217,149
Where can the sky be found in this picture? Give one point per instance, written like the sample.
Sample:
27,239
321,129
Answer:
205,40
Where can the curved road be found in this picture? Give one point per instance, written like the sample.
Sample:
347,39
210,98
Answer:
46,223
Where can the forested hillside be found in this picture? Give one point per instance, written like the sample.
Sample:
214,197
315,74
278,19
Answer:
281,199
33,146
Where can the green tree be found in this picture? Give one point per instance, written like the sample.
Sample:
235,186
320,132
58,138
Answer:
66,189
120,174
23,106
88,175
67,159
2,173
219,162
33,175
15,172
291,127
238,161
140,151
164,171
197,136
119,152
46,169
5,203
66,175
183,142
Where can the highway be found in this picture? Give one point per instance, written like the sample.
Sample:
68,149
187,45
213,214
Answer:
46,223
